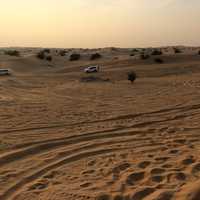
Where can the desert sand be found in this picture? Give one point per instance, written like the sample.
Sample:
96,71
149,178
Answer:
66,137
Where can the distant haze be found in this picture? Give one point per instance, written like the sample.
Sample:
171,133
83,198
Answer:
99,23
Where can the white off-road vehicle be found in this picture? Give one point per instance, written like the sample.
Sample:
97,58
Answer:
4,72
92,69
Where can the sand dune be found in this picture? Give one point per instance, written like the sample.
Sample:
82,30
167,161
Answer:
63,138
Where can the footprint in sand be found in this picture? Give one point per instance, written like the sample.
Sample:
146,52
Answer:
142,193
157,178
144,164
174,151
196,169
166,195
40,185
135,177
188,161
177,176
91,163
88,172
84,185
162,159
103,197
120,168
157,171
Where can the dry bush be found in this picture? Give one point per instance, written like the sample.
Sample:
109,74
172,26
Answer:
49,58
176,50
159,60
144,56
156,52
132,76
12,53
74,57
95,56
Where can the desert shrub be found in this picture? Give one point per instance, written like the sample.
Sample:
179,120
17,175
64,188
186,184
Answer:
41,55
12,53
132,54
95,56
135,50
176,50
132,76
158,60
46,50
114,49
62,53
156,52
74,57
49,58
144,56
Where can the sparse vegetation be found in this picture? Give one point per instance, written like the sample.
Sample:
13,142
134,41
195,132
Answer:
135,50
41,55
176,50
156,52
132,54
62,52
47,51
132,76
158,60
12,53
144,56
49,58
95,56
74,57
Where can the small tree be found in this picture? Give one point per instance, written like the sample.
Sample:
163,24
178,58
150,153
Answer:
132,76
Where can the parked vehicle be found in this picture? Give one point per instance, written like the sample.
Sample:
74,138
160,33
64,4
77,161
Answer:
92,69
4,72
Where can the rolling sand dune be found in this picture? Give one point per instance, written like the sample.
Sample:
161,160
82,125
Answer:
65,138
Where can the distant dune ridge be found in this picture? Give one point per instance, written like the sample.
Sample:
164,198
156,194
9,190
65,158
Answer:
66,134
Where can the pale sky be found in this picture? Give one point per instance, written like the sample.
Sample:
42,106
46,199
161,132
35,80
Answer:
99,23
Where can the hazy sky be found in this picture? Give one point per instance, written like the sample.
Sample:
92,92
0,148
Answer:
99,23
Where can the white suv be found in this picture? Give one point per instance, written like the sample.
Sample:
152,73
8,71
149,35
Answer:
91,69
